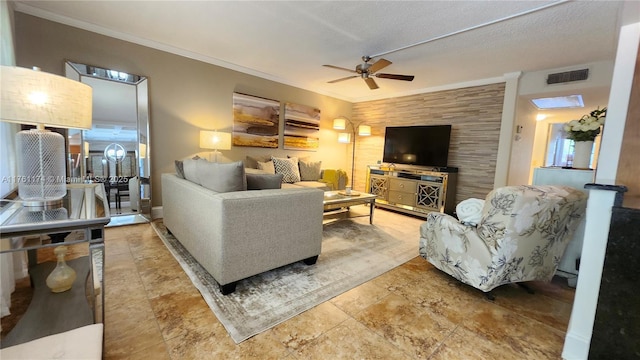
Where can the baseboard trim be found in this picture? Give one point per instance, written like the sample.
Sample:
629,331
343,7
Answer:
157,212
576,347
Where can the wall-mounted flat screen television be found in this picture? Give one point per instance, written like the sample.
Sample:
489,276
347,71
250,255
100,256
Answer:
417,145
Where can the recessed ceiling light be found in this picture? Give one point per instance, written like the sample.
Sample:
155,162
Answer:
560,102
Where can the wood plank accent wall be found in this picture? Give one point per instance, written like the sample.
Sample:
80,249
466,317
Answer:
475,114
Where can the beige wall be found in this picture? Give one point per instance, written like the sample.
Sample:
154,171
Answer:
475,114
186,95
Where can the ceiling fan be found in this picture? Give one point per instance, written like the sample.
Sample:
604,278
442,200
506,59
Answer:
366,71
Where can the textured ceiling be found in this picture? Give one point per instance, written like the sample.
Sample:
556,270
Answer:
290,41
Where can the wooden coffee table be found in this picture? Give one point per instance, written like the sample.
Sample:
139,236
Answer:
338,202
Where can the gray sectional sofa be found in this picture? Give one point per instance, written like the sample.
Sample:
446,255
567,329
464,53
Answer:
238,234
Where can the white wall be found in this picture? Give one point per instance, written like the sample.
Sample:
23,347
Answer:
529,151
578,338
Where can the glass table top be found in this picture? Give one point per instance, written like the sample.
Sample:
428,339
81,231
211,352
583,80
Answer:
84,205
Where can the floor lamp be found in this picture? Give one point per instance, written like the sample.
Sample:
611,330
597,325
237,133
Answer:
37,98
216,141
340,123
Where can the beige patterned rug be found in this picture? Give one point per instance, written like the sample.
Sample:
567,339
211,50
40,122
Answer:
353,252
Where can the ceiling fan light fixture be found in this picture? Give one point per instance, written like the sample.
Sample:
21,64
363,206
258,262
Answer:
368,71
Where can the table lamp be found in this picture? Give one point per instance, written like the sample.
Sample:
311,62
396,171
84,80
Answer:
37,98
216,141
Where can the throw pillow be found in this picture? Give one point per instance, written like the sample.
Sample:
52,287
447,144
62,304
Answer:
180,167
190,169
221,177
267,167
309,170
264,181
252,162
288,168
469,211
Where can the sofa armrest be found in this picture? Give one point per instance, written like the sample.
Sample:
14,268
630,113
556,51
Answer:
235,235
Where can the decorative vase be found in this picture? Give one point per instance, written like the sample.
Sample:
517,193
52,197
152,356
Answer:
63,276
582,154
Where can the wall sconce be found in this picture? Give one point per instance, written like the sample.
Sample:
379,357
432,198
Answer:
215,140
38,98
340,123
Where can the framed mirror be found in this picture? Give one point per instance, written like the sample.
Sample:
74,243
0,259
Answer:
116,149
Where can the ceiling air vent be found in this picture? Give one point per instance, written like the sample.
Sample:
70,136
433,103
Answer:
568,76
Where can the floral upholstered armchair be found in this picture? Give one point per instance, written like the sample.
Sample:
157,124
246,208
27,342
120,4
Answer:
521,236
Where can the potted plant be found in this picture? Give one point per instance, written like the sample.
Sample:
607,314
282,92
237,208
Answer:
583,132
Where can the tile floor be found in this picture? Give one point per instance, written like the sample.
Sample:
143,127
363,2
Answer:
412,312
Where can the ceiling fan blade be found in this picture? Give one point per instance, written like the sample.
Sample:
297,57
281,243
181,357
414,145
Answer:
340,68
343,79
378,65
395,77
372,84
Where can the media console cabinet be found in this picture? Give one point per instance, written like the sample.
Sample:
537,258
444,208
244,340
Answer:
413,190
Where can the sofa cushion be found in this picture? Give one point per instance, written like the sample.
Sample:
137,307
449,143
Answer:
309,170
263,181
314,184
81,343
288,168
221,177
253,171
267,167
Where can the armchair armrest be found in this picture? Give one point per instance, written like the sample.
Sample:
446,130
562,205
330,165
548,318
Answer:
443,237
337,179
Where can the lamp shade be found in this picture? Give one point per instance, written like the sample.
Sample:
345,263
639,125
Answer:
143,150
215,140
35,97
364,130
340,123
344,138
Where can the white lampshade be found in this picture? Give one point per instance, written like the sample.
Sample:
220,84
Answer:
364,130
215,140
344,138
143,150
35,97
340,123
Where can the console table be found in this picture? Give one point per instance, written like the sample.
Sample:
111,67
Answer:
84,209
413,190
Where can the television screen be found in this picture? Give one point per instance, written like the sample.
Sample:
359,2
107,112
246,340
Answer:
417,145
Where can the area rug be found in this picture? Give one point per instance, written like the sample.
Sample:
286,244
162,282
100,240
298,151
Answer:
353,252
